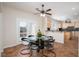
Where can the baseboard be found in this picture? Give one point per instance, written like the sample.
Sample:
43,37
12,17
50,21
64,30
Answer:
59,42
10,45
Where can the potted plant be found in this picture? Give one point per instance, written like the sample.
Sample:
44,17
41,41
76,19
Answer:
40,40
39,34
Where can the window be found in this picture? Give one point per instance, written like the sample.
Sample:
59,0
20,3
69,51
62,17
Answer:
23,29
23,32
27,29
33,29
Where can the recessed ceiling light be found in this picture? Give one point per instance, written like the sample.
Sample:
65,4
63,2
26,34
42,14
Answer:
73,8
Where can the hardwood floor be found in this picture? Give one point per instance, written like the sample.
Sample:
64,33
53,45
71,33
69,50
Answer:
72,44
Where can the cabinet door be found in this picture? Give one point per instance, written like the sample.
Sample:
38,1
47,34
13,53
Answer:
67,36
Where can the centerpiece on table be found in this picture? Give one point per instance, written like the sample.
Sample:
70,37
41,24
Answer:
40,40
39,34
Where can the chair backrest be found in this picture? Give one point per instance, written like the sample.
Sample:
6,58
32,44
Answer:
33,45
51,38
49,43
31,36
24,39
52,43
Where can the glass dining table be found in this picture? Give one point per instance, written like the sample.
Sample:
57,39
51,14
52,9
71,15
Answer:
39,43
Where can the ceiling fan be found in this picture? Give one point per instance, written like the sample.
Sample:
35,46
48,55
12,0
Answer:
43,12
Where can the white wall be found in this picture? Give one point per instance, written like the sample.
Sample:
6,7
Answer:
54,25
1,33
10,17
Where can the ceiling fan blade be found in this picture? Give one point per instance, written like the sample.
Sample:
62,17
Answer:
48,13
36,13
48,10
38,9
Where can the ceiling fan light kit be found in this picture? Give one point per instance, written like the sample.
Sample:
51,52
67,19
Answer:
42,15
43,12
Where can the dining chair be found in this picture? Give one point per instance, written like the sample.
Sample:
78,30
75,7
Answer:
49,46
38,46
25,51
33,47
31,36
41,47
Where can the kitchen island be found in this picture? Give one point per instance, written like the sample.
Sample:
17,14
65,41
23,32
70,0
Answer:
57,35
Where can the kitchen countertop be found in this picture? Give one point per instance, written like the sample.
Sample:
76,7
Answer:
54,31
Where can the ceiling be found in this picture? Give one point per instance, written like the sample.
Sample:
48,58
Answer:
60,10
